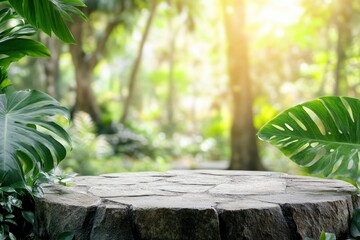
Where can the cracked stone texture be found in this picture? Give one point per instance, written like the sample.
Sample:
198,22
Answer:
199,204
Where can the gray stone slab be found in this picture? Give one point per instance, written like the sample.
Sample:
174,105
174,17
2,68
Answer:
126,191
138,174
296,198
247,219
112,221
309,214
64,211
178,188
307,184
239,173
251,186
176,223
199,179
201,204
91,181
312,218
201,201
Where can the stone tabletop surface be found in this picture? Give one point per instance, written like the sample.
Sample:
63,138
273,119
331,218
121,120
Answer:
199,204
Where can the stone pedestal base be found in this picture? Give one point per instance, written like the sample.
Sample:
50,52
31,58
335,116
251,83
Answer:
203,204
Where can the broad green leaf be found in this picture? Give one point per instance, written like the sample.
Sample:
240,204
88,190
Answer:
14,43
18,47
12,26
50,15
13,50
19,142
322,135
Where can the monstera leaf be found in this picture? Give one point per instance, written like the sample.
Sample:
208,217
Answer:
14,43
321,135
50,15
22,146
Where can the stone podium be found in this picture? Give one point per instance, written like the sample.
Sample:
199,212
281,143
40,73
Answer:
199,204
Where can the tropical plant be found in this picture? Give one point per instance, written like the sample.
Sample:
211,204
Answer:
24,149
27,153
21,142
322,135
16,217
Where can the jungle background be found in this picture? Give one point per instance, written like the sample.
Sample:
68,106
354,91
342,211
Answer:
162,84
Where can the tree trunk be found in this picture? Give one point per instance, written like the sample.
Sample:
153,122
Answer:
85,99
340,60
135,69
244,151
342,19
84,65
170,106
51,66
171,90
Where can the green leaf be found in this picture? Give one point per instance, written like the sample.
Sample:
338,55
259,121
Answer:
28,216
50,15
13,50
11,221
6,227
322,135
18,47
66,235
7,189
327,236
12,236
18,109
14,43
5,82
14,201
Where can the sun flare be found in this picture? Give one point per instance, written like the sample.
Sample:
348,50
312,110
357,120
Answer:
275,15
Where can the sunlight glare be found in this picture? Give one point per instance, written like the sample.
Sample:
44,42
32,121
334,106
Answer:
229,10
279,32
276,15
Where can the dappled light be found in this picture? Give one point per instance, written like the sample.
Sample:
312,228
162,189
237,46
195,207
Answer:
156,85
123,119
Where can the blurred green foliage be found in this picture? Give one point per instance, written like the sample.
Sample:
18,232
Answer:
294,56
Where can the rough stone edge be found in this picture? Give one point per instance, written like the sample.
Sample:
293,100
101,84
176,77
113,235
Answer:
139,222
43,222
87,230
272,209
354,202
122,229
288,208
